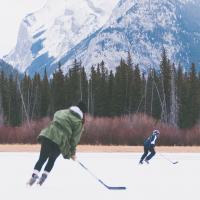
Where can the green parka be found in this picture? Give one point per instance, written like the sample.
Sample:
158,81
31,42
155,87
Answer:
65,130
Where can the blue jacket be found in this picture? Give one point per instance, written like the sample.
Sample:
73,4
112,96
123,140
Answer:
151,140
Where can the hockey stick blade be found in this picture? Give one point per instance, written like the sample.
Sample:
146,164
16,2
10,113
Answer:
100,181
112,187
168,159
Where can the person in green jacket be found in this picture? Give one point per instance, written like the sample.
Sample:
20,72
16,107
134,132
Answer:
60,137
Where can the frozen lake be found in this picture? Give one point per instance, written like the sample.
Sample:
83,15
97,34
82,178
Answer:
160,180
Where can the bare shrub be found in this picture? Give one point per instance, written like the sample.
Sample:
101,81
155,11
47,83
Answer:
192,136
126,130
23,134
133,130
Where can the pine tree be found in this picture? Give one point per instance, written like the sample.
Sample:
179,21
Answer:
14,118
173,119
91,90
149,92
156,100
74,83
129,60
136,89
45,96
123,82
25,89
110,97
165,67
4,96
58,95
96,91
101,96
36,99
182,95
84,85
1,111
193,105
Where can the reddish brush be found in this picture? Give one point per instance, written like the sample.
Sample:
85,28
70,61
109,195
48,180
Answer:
27,133
126,130
132,130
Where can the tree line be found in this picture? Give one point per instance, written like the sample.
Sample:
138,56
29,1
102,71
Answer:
168,94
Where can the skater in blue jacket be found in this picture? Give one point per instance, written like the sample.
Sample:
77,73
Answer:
149,145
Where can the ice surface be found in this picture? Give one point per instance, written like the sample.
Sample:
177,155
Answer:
160,180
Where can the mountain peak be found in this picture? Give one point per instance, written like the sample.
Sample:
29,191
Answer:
96,30
46,35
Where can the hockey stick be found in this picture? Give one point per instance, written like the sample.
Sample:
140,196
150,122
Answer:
175,162
100,181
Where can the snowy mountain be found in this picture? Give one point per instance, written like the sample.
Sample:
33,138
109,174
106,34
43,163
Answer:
46,35
6,68
96,30
144,28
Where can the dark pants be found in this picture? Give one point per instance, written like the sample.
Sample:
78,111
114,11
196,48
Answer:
148,149
49,151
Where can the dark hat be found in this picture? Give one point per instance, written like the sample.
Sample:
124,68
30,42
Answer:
82,106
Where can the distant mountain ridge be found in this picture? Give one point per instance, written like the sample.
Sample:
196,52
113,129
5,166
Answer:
46,35
92,31
144,29
7,68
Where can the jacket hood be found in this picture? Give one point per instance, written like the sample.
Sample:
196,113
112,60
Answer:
77,110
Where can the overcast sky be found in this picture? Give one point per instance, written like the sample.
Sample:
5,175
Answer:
11,14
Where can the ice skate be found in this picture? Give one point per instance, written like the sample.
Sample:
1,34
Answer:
146,161
32,180
141,162
42,179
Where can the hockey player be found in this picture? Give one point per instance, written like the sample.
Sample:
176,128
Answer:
149,145
60,137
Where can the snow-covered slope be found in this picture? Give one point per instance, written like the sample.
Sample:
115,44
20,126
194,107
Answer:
45,35
96,30
144,27
6,68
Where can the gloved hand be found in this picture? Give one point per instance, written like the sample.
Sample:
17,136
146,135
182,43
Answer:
73,157
66,157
